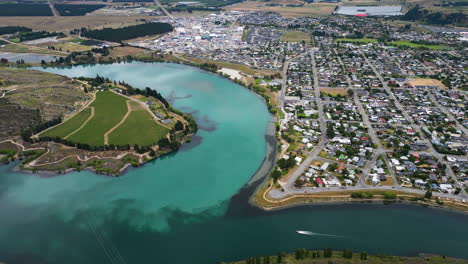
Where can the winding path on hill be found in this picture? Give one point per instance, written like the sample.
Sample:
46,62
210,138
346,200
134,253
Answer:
82,125
69,116
124,118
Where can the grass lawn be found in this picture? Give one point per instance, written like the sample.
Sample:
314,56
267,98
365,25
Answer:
124,51
70,125
76,40
24,49
359,41
109,109
388,182
413,45
296,36
139,128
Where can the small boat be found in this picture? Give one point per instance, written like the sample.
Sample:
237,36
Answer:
305,232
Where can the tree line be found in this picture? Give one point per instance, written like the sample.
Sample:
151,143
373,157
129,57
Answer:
76,10
302,254
130,32
25,36
29,132
25,10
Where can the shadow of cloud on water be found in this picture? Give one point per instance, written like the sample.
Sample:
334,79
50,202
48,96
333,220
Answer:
204,122
196,141
172,97
101,235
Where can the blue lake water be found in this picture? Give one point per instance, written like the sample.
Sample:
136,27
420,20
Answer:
178,209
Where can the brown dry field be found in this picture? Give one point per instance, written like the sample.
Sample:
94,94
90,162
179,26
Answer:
342,91
124,51
427,82
315,9
388,182
68,23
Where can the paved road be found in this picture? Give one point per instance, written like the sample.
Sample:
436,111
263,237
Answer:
52,7
164,10
278,194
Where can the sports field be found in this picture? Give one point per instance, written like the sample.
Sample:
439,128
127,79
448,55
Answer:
111,119
139,128
415,45
296,36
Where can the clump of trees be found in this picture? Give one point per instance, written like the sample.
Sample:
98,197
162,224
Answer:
28,9
330,131
362,195
76,10
27,133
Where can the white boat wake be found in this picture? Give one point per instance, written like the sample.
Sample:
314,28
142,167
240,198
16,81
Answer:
309,233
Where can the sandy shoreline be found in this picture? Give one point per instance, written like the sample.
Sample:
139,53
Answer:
233,74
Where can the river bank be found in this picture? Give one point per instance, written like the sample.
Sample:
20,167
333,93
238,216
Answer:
328,255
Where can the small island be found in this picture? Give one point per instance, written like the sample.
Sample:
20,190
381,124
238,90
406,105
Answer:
109,126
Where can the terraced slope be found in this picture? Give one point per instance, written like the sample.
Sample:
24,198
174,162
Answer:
69,126
111,119
110,108
139,128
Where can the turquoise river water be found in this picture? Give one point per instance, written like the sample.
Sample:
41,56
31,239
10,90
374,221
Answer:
179,208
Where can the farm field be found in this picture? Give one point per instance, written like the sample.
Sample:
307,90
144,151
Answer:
296,36
109,109
67,23
139,128
334,91
111,119
22,48
314,9
125,51
69,126
71,47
